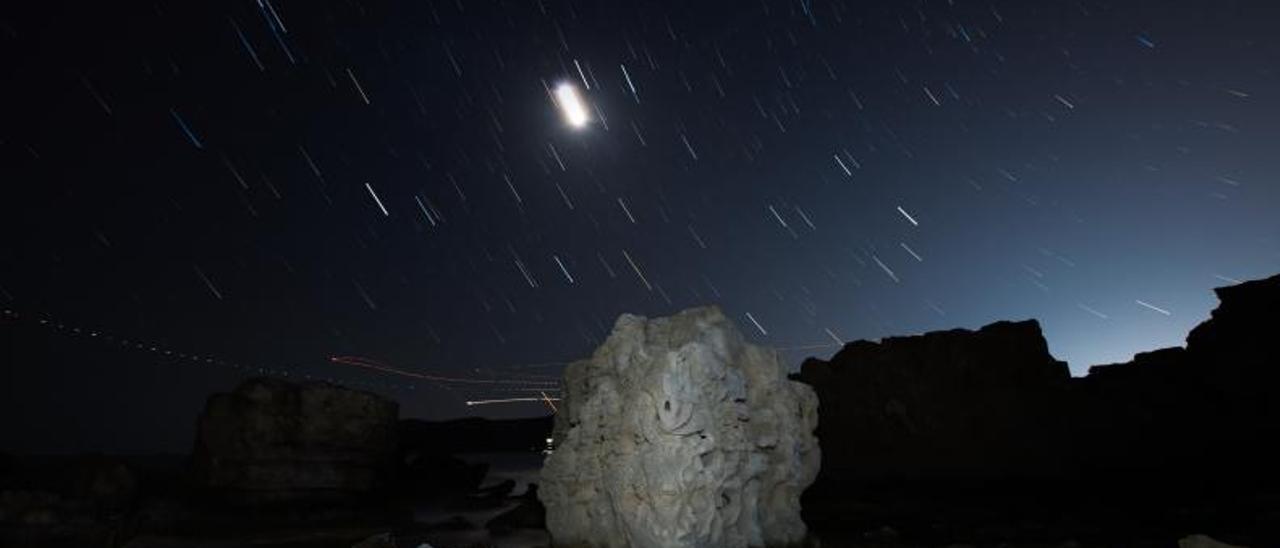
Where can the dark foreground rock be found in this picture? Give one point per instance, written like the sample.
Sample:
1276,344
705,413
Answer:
958,438
475,435
982,435
83,500
529,513
943,405
1206,414
277,464
443,460
277,442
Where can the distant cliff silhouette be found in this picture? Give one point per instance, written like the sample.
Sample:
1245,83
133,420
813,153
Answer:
992,405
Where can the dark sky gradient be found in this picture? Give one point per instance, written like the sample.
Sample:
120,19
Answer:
1063,161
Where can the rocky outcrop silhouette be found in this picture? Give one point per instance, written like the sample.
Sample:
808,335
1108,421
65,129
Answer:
272,441
475,435
992,404
438,459
947,404
1206,413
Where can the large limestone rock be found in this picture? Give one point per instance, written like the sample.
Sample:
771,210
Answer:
273,441
678,433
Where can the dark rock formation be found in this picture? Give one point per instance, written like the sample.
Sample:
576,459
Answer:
475,435
438,459
967,429
380,540
1205,413
272,441
436,476
962,405
528,514
81,500
948,404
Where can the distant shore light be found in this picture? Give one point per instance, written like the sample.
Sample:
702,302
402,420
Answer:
575,112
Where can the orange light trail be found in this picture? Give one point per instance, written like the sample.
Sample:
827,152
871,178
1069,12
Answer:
547,399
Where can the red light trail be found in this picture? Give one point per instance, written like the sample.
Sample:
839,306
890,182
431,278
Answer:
378,366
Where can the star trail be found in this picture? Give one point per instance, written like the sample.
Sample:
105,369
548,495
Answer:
474,191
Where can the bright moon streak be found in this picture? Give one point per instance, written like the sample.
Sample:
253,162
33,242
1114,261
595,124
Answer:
571,105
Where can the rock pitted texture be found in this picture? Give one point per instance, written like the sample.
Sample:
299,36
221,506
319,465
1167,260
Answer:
678,433
272,441
946,404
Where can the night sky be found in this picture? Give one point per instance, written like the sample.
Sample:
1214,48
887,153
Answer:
195,190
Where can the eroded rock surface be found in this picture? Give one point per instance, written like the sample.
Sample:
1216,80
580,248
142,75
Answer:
678,433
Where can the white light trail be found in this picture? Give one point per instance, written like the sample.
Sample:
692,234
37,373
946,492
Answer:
885,268
1227,279
208,283
842,166
644,280
377,200
697,238
630,85
607,268
932,97
1091,310
425,213
563,269
585,84
627,210
359,88
833,336
689,147
805,218
911,251
1152,307
908,216
778,217
510,400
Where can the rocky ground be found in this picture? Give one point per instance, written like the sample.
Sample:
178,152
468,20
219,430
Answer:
289,465
140,503
96,501
948,439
